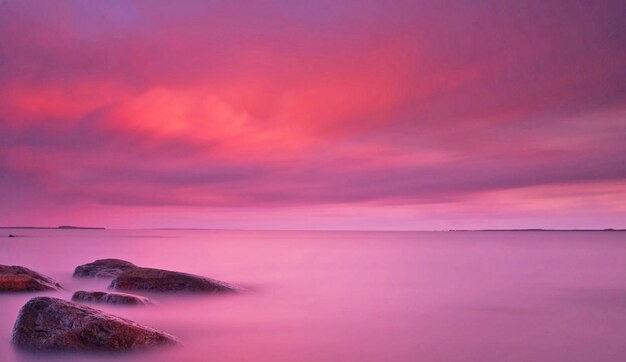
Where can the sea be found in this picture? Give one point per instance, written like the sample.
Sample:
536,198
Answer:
351,295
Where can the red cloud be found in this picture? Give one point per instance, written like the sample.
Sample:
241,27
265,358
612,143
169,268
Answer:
348,107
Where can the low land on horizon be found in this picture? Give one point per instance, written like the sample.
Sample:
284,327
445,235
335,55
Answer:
65,227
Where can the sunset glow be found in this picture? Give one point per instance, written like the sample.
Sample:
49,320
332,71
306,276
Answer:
313,115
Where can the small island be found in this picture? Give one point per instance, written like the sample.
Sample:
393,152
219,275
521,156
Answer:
80,227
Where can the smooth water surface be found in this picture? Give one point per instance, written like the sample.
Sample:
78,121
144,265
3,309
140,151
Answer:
354,296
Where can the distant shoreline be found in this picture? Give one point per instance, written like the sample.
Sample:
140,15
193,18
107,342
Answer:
63,227
310,230
583,230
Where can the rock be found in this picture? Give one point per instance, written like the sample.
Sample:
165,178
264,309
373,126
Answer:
19,279
46,323
128,276
103,268
110,297
11,235
167,281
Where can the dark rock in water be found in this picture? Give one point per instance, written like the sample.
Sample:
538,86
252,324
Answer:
54,324
20,279
167,281
103,268
128,276
11,235
110,297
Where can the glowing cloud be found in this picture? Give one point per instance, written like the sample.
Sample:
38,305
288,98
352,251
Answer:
324,114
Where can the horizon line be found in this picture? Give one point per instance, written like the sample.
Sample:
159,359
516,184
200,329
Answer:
63,227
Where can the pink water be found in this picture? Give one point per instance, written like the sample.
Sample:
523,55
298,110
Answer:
355,296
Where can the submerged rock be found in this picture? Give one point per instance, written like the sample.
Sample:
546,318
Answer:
110,297
103,268
46,323
11,235
167,281
19,279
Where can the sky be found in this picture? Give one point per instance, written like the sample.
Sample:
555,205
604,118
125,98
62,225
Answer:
381,115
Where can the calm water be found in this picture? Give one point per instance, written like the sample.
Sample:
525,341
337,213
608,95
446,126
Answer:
355,296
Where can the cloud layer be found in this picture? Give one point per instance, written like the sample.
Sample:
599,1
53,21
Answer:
326,114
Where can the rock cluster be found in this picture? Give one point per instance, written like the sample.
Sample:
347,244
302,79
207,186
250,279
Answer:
128,276
46,323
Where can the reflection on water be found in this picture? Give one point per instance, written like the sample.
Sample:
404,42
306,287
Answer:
354,296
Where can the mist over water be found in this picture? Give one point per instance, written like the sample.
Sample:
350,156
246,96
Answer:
353,296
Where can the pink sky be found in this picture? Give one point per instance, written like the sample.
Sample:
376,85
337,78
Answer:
313,115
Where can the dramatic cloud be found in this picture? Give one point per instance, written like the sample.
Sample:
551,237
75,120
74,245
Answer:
326,114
